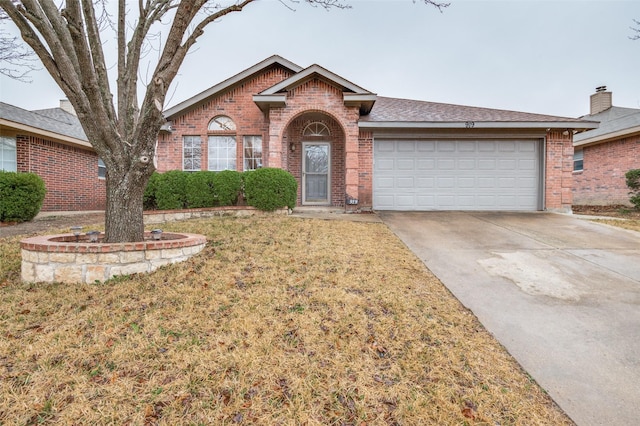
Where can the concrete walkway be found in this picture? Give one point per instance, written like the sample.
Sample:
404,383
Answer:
560,293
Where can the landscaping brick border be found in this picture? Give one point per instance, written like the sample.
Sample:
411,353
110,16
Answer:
59,258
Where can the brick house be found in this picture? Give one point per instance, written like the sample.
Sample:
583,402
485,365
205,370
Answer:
52,144
602,156
348,147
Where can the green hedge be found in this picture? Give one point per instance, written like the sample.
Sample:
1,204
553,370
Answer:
228,187
149,199
171,190
633,183
270,189
176,189
21,196
200,189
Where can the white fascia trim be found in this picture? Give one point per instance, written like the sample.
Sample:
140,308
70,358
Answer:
607,136
360,97
269,98
44,133
475,125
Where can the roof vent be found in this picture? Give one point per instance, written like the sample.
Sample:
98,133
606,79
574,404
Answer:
601,100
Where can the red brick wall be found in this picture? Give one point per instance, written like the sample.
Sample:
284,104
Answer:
314,100
294,163
558,172
602,181
365,153
70,173
236,103
321,99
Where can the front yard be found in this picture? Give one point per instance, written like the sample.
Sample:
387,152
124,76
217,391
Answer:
279,320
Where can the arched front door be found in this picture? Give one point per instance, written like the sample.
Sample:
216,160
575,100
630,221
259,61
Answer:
316,175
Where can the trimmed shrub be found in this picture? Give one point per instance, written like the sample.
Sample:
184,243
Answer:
633,183
227,186
149,198
171,190
201,189
21,196
270,189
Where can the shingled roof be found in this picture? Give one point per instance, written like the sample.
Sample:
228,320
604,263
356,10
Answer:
393,112
615,122
54,121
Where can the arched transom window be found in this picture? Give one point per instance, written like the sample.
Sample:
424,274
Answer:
222,123
316,129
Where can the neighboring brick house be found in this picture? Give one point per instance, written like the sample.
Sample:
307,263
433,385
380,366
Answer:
52,144
348,147
603,155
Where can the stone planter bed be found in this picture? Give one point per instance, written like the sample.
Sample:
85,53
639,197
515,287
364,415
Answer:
59,258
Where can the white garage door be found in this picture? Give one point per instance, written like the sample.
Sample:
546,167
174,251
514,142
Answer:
456,174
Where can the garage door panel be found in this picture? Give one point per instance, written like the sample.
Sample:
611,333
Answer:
406,146
426,182
426,146
445,146
526,164
467,164
405,164
486,164
511,164
383,164
425,163
456,175
405,182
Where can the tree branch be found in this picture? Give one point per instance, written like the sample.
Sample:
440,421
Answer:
636,36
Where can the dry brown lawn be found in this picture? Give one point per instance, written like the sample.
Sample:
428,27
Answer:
629,215
279,321
632,224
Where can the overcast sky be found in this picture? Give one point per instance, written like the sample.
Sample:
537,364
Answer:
535,56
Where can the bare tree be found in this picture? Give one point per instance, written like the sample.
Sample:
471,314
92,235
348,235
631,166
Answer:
16,59
67,40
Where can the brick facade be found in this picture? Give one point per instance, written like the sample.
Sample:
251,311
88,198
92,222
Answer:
281,129
237,104
293,103
602,181
558,180
70,173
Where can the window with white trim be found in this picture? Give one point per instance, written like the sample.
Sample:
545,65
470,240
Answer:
252,152
316,129
8,154
578,160
222,152
222,123
191,153
102,169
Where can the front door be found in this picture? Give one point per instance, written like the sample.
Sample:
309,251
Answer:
315,173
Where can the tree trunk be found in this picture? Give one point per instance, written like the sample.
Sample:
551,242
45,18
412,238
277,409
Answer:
124,221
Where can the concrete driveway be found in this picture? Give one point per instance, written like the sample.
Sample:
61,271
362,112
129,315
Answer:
560,293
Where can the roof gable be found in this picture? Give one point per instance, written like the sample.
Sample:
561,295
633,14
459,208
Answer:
353,94
232,81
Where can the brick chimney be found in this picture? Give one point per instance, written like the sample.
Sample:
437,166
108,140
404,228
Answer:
601,100
66,106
